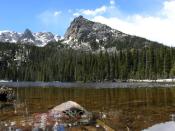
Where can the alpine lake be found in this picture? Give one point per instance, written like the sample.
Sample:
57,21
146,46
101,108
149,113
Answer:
125,109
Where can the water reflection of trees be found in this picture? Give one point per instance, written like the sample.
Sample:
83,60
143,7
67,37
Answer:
136,108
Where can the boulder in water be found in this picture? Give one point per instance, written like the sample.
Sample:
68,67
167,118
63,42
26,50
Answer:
69,108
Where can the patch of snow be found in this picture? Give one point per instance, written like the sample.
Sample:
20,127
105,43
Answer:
123,35
168,126
113,31
68,40
75,40
158,80
105,38
85,44
97,40
61,38
57,37
41,45
14,41
165,80
5,31
4,81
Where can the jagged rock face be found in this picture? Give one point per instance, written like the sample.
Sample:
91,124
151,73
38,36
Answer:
28,37
91,35
88,35
28,34
44,38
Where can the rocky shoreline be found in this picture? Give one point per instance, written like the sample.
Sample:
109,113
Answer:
131,84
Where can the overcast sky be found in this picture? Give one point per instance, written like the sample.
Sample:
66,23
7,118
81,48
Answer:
152,19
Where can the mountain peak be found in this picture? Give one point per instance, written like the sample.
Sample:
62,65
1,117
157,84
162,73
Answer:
81,21
27,31
28,34
80,17
77,25
86,33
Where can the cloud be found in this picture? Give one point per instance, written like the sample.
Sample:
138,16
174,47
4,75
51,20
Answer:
103,10
88,12
55,21
159,27
48,17
169,9
112,2
151,28
56,13
96,11
76,14
70,11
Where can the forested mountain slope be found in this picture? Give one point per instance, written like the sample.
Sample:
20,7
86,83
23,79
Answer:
53,63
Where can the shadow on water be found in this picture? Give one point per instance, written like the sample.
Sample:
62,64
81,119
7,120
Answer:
127,108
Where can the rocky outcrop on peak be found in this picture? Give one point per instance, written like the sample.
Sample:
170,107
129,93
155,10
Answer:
27,37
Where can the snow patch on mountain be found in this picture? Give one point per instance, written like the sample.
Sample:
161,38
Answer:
9,36
39,38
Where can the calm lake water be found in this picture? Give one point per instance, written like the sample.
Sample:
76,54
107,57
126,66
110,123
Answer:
134,109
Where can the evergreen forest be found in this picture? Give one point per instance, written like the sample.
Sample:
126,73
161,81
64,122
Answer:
55,62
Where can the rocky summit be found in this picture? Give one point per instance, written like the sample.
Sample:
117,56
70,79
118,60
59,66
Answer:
88,35
83,33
